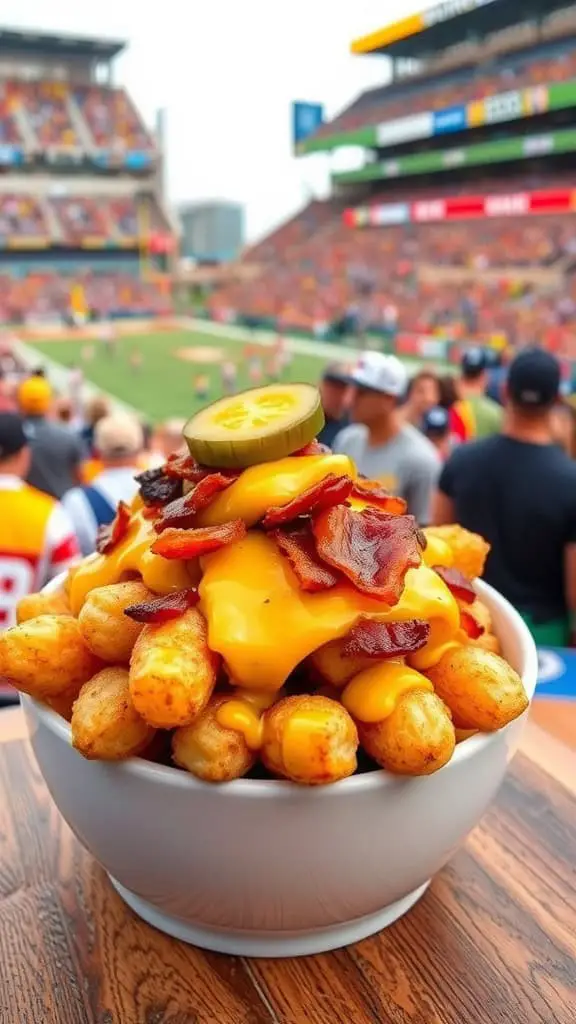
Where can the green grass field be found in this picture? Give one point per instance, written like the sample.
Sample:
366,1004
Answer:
164,385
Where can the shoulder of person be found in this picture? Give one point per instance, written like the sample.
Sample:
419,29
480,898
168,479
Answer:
40,497
350,436
420,448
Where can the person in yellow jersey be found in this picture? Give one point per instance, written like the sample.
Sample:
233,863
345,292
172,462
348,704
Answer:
56,449
37,539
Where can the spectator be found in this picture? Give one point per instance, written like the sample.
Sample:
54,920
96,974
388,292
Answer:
333,388
37,539
56,450
169,439
474,415
448,393
423,394
119,442
382,445
94,411
518,489
436,427
7,403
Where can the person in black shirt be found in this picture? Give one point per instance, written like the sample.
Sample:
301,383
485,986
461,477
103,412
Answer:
518,489
333,389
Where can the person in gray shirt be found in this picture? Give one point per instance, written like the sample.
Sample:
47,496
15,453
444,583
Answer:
56,449
383,446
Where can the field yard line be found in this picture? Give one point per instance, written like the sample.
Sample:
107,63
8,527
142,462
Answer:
323,349
59,376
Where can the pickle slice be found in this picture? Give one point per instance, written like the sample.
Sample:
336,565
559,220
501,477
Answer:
255,426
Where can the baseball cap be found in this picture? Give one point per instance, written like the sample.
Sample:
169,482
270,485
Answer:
34,396
118,436
534,378
436,419
12,436
336,373
474,360
378,372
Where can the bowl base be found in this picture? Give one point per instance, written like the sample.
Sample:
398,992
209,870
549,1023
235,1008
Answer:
270,944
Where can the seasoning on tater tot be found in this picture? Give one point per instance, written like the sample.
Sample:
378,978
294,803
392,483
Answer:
481,689
310,739
107,631
105,723
210,750
173,671
33,605
417,738
47,656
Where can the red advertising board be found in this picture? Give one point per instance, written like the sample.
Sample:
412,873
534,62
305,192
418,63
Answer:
513,204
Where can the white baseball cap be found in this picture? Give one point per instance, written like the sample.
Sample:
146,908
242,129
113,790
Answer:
378,372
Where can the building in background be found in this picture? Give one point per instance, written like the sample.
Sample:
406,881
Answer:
212,230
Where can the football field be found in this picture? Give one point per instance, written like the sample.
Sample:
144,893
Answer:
155,372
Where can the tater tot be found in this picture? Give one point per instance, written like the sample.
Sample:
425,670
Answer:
311,740
107,631
33,605
105,723
488,642
480,688
418,737
470,550
47,657
173,671
62,704
210,750
333,668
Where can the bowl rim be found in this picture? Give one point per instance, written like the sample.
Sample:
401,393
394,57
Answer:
366,782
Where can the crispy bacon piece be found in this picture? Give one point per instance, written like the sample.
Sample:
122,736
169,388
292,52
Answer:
372,639
111,535
161,609
373,491
184,467
332,490
314,447
182,512
156,488
457,583
185,544
372,548
296,543
471,626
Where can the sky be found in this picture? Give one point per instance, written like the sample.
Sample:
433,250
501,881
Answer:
226,72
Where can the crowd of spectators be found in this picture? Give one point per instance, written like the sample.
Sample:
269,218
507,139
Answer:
82,216
112,119
46,296
21,215
77,218
9,132
310,277
46,105
479,83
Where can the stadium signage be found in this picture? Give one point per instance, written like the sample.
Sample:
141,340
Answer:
514,204
405,129
450,9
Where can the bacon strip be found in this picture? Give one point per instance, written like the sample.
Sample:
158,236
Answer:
297,544
372,639
372,548
182,512
156,488
184,467
457,583
314,447
332,490
376,494
161,609
111,535
185,544
471,626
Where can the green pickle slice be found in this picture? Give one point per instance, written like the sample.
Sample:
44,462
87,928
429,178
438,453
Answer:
258,425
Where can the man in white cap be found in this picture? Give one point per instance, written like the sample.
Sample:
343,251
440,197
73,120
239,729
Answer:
383,446
118,442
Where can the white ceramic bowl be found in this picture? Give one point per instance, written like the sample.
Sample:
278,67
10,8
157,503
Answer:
270,868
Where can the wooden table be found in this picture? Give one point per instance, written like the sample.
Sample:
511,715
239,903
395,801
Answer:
492,942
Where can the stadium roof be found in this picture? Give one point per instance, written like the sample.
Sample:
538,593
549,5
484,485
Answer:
61,44
448,23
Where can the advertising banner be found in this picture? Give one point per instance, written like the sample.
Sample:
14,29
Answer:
405,129
451,119
306,119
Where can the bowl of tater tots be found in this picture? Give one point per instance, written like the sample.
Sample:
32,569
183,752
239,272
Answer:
270,705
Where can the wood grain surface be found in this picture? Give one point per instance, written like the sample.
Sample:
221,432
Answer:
492,942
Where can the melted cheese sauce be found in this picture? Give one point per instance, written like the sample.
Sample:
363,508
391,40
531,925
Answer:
373,694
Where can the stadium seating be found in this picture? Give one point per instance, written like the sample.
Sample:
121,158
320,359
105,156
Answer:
112,120
380,105
46,105
21,215
9,133
47,295
81,216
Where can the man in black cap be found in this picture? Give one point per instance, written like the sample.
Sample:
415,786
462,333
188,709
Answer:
333,388
518,489
474,414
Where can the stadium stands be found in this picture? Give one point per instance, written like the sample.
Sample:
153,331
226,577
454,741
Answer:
377,105
9,132
81,217
47,296
111,119
21,216
46,106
